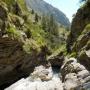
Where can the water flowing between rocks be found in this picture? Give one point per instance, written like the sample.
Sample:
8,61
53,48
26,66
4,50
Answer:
73,75
34,82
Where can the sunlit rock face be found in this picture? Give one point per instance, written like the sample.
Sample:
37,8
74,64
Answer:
41,79
42,73
78,40
81,19
75,76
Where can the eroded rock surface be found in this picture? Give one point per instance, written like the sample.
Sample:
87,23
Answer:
15,63
41,79
75,76
81,19
57,59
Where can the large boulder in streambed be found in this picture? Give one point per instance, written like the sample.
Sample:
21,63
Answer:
74,75
40,79
56,59
84,58
43,73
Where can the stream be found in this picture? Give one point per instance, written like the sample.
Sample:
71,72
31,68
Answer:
28,84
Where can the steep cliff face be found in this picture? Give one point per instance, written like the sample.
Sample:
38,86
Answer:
81,19
79,39
15,63
11,56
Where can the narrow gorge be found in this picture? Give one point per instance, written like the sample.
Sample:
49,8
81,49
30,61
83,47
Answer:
43,52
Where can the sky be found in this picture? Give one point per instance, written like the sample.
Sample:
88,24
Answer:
69,7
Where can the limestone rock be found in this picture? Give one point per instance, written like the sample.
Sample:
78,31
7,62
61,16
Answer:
71,81
74,75
28,84
43,73
84,58
15,63
56,60
81,19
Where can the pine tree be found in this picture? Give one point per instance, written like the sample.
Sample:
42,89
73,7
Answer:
49,25
32,12
53,26
36,17
43,22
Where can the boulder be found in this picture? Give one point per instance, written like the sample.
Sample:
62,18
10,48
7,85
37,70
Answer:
36,81
57,59
71,81
84,58
74,75
44,74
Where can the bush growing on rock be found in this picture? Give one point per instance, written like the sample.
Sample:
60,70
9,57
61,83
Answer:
13,33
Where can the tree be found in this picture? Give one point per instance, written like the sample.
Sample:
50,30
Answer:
49,25
82,0
85,0
36,17
54,26
28,33
43,22
32,12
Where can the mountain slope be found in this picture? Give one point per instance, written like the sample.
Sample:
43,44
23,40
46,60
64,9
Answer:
41,7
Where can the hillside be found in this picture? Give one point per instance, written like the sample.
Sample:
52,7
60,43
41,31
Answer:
43,8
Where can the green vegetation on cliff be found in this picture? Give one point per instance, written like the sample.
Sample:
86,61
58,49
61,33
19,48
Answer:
27,27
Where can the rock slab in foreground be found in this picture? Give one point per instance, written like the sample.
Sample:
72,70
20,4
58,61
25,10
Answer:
41,79
25,84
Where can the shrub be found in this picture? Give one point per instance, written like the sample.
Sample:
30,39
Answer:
73,54
30,46
28,33
13,33
87,27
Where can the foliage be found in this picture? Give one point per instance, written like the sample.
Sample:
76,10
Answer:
82,0
30,45
73,54
22,5
32,11
60,49
28,33
87,27
50,25
86,30
43,32
8,2
36,17
36,33
13,33
85,3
